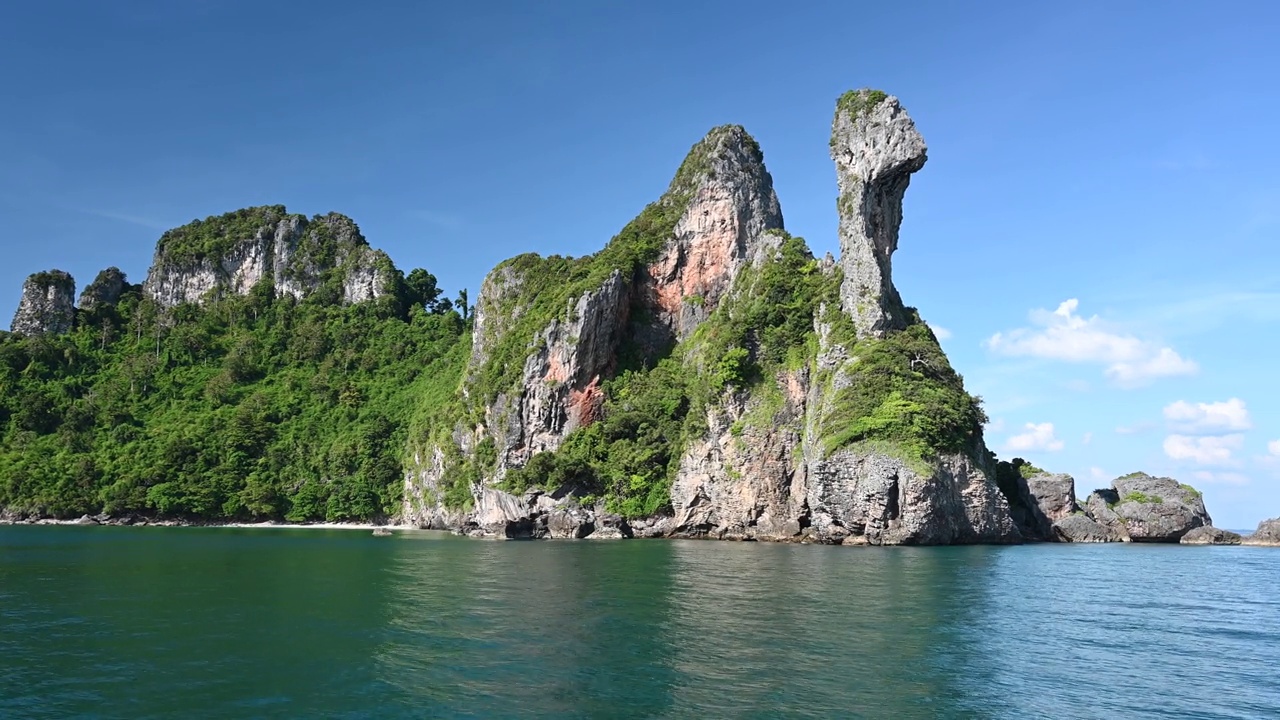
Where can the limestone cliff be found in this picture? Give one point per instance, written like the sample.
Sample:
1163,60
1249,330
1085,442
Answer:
105,289
230,254
876,148
548,331
705,376
47,306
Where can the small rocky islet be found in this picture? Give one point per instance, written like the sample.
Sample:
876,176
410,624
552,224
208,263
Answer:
702,376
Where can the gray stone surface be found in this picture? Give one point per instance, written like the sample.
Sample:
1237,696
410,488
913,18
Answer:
47,306
876,148
1267,534
105,289
1079,528
279,249
1142,508
1209,535
760,471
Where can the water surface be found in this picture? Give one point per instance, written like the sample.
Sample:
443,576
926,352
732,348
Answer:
200,622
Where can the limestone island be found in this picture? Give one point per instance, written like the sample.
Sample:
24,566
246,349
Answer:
702,376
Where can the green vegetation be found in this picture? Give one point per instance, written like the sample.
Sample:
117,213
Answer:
629,458
1140,497
860,102
1194,493
905,400
251,407
538,290
216,235
54,278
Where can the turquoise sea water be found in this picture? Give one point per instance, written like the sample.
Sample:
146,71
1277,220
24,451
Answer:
193,622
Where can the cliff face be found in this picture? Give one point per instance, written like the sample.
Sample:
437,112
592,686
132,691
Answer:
232,253
876,148
47,306
773,416
649,288
105,289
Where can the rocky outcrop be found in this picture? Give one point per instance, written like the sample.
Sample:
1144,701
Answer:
1080,528
47,305
764,465
536,516
1149,509
1039,501
721,231
876,148
876,498
1267,534
105,289
1142,508
1209,535
723,205
233,253
561,379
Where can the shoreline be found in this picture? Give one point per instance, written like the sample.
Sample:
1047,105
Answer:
387,528
267,525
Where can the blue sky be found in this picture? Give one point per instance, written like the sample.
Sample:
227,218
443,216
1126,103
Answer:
1095,230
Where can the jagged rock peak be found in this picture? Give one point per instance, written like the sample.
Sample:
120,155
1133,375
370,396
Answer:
231,253
47,306
876,148
105,289
727,204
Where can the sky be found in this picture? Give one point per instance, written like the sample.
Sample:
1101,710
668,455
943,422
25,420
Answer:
1094,236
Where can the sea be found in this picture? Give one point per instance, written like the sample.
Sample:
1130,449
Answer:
163,622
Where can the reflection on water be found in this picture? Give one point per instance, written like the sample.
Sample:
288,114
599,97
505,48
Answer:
118,622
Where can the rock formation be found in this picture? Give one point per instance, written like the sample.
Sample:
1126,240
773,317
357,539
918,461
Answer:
230,254
47,305
1039,501
876,148
773,461
1148,509
105,289
1267,534
1080,528
1141,508
1209,535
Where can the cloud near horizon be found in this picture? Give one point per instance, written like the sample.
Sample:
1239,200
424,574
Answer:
1066,336
1038,436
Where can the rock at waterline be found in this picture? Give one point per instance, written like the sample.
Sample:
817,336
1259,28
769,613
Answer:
1082,529
1142,508
1267,534
381,532
1209,535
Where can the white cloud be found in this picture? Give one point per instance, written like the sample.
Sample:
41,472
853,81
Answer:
1221,478
939,332
1088,438
1064,335
1097,474
1208,418
1218,450
1039,436
1273,447
995,425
